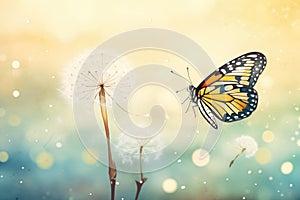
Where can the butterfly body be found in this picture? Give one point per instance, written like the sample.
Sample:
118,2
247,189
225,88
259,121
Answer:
228,92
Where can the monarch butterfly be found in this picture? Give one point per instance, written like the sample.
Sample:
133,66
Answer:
228,92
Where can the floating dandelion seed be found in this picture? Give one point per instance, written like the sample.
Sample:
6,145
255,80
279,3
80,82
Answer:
249,144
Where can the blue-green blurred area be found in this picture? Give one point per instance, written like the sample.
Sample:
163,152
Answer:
62,172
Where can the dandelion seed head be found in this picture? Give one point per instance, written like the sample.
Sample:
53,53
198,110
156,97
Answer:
249,143
100,71
69,76
129,148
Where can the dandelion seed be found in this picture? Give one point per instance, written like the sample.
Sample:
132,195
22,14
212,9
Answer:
249,144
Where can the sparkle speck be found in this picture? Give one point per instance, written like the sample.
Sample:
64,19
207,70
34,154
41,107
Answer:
15,64
204,182
50,106
21,181
249,172
179,160
182,187
22,167
90,194
270,178
227,179
244,198
291,185
16,93
117,183
58,145
260,171
1,176
28,21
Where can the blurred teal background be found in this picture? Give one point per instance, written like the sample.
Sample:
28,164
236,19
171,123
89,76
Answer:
41,156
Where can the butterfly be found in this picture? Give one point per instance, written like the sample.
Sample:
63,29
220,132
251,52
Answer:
228,93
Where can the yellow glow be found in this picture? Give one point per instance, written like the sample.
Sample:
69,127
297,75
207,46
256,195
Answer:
88,158
287,167
44,160
263,155
3,156
268,136
2,112
198,159
169,185
14,120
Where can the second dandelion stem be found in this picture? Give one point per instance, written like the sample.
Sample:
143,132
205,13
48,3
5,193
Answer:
140,183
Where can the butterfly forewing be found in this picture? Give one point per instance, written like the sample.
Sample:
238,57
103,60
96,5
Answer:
228,92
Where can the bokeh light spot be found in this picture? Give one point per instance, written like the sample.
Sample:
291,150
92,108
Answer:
3,156
44,160
15,64
88,158
263,155
298,142
14,120
199,160
169,185
268,136
2,112
287,167
58,145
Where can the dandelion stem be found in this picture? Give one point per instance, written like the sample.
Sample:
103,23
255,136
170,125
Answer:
112,170
140,183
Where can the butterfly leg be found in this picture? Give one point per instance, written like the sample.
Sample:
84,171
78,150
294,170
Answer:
187,109
194,110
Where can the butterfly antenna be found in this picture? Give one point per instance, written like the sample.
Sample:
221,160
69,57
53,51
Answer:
177,91
180,76
188,73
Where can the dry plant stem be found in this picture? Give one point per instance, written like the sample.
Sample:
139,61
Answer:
140,183
112,171
240,153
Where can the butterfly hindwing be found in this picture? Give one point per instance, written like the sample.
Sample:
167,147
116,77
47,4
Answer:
228,92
